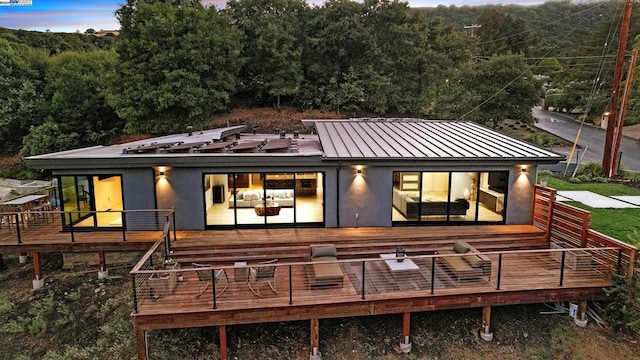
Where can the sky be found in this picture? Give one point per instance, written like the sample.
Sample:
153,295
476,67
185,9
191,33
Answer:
80,15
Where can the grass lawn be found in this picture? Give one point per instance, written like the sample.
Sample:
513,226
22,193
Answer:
622,224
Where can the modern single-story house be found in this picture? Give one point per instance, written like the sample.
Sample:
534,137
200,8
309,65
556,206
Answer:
346,173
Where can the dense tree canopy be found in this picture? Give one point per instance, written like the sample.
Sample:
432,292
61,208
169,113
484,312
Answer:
176,62
177,65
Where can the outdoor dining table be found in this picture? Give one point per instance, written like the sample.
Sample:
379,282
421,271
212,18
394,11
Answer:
24,204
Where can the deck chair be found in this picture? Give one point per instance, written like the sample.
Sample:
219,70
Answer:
262,274
205,277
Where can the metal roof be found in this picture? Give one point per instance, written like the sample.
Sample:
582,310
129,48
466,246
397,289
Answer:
420,139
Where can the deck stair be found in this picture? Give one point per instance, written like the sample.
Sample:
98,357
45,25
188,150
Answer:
269,244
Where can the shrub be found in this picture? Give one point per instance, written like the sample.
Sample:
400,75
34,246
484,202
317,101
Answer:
575,180
590,170
600,179
37,326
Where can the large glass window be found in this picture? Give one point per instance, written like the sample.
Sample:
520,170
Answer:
92,201
263,199
449,196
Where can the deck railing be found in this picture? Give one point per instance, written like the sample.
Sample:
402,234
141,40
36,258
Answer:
82,226
158,290
568,226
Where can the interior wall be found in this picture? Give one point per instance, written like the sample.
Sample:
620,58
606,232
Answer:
108,193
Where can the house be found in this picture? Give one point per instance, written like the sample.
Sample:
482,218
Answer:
347,173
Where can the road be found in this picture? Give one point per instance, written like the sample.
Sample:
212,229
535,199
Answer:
592,139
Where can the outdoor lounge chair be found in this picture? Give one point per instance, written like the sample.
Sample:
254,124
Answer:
263,274
322,272
205,277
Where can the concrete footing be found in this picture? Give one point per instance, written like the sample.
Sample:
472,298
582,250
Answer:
485,334
23,259
103,274
405,348
581,322
317,356
38,284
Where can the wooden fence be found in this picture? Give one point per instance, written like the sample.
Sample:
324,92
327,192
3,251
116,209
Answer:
569,226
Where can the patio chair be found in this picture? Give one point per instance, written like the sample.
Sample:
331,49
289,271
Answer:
204,276
263,274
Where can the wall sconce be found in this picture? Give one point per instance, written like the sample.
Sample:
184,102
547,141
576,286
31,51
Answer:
359,169
162,170
524,169
161,173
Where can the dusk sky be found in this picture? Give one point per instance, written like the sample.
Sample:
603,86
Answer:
72,15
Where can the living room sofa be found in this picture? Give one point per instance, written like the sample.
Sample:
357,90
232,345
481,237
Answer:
470,266
408,204
322,272
251,198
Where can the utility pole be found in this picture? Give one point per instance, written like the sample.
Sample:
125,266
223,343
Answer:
610,146
471,29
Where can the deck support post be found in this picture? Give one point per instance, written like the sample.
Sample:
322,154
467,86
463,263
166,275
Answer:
405,344
485,334
224,351
38,282
315,340
103,272
581,315
1,261
23,258
142,348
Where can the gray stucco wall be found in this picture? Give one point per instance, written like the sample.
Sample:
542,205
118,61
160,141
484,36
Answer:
368,195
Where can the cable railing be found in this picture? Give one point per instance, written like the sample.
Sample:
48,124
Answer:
189,286
42,222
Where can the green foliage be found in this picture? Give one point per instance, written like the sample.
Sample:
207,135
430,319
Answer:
590,170
6,305
11,327
37,325
506,85
73,353
545,174
575,180
619,312
177,65
48,137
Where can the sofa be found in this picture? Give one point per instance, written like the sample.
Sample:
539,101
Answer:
407,203
470,266
251,198
321,272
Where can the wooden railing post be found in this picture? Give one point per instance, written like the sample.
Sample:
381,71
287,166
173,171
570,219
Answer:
586,223
632,265
433,274
124,225
135,294
73,239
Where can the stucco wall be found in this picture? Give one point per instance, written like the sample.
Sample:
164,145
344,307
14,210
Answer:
365,198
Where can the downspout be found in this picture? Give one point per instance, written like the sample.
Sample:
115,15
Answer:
338,193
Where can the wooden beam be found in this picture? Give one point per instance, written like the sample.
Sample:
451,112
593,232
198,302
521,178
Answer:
315,337
141,344
37,265
224,351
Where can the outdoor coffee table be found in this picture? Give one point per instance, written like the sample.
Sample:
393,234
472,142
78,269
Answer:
394,265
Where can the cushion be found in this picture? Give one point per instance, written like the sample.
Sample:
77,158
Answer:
318,251
460,248
239,195
473,260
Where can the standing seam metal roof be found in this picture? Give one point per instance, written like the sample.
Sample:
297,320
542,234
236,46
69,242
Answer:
414,138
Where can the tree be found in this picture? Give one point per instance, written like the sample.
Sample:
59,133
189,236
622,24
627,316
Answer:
178,63
506,88
76,87
502,34
48,137
272,48
21,101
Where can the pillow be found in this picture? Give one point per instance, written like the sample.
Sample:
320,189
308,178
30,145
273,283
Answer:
323,250
239,195
460,248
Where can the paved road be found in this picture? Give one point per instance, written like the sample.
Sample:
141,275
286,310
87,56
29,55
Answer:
592,139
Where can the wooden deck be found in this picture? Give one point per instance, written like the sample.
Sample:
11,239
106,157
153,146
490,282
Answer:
525,277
